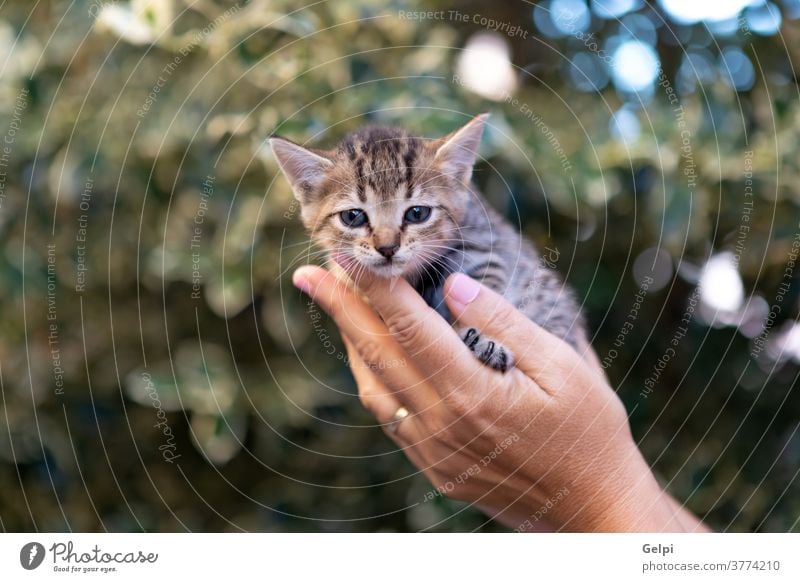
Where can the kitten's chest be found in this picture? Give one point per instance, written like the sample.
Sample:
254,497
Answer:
463,257
434,297
430,285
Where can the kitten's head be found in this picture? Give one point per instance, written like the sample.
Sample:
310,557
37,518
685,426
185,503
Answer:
383,200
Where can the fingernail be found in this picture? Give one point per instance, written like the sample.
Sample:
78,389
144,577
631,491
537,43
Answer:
299,281
463,289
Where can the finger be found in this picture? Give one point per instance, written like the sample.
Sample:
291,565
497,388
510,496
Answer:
381,401
361,325
375,397
425,336
538,352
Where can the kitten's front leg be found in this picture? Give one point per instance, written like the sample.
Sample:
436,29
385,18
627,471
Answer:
486,349
490,272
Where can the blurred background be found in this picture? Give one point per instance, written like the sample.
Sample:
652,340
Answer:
160,373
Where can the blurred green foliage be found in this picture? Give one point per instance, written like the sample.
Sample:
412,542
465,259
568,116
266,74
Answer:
142,215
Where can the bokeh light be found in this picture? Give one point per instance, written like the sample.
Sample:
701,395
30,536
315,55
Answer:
544,19
736,69
653,269
697,67
570,16
785,345
624,126
764,19
612,9
587,73
721,287
484,66
635,66
638,27
694,11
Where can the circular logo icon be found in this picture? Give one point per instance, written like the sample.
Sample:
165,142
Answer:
31,555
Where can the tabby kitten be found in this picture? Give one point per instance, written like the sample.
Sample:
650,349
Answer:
399,205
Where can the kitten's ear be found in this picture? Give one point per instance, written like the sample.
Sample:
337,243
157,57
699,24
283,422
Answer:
458,151
304,168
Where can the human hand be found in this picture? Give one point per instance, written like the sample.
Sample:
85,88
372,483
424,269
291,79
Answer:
548,440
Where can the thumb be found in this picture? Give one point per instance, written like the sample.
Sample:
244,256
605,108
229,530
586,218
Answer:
535,349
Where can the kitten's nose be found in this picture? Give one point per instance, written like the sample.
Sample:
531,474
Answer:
388,251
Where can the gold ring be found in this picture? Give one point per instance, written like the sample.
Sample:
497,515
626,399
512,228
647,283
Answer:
398,417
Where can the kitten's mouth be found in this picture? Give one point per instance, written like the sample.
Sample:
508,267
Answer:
388,268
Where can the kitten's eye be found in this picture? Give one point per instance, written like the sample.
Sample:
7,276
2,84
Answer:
354,217
417,214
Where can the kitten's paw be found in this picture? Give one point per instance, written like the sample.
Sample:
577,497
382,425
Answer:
489,351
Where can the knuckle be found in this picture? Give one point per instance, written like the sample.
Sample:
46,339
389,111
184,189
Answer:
561,372
459,404
491,410
406,328
439,432
446,436
367,397
440,429
503,320
370,351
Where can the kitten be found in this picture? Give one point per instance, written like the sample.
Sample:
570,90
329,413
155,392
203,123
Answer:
399,205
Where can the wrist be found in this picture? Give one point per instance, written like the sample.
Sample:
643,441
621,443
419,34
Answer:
636,502
623,497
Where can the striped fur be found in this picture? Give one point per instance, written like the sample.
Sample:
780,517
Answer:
384,172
